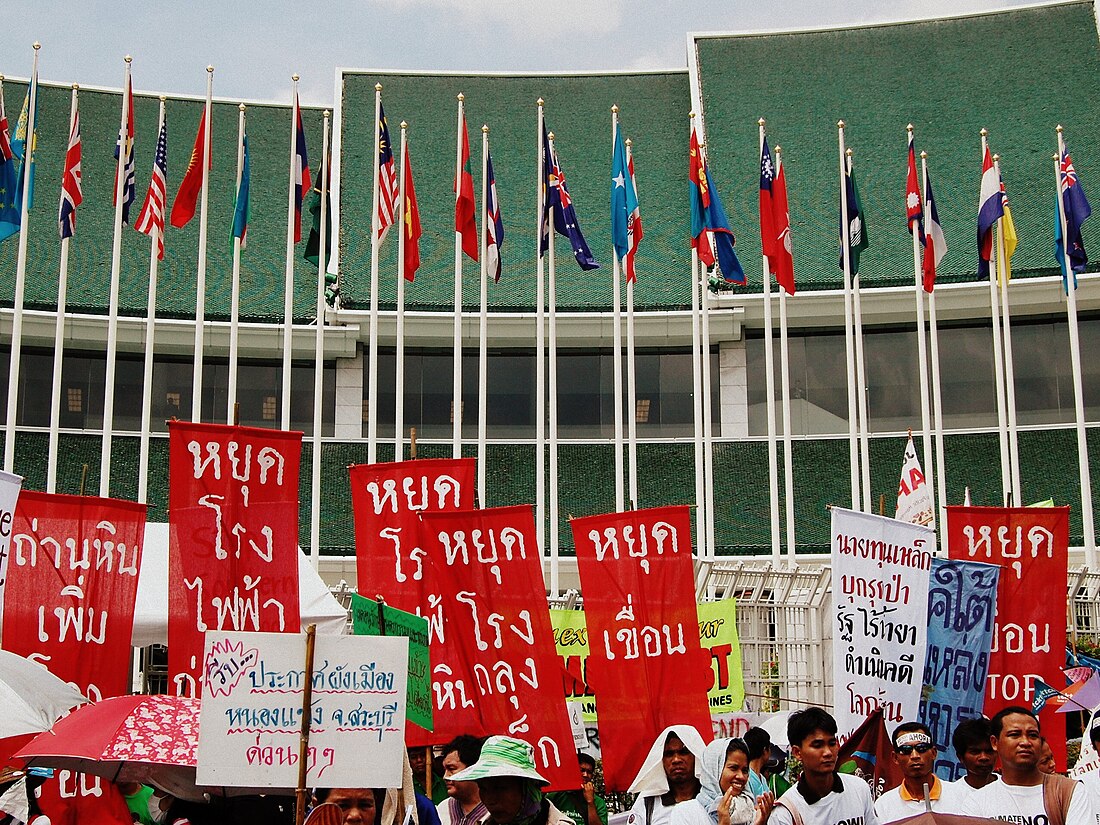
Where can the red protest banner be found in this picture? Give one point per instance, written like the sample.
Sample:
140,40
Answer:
497,670
69,798
386,501
71,586
1029,638
233,538
646,666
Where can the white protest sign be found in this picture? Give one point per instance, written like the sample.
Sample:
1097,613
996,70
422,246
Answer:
880,599
10,485
251,716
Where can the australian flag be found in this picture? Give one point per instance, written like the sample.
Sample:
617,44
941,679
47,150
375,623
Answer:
1076,208
558,203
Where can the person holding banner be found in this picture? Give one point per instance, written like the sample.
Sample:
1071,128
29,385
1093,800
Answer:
669,775
915,753
821,796
509,785
1023,793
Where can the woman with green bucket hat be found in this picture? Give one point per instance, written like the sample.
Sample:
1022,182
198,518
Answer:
510,787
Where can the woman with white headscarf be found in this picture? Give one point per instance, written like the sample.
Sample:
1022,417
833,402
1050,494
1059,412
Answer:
725,798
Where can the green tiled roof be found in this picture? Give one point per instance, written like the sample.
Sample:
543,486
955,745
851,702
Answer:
1017,73
263,263
654,113
666,476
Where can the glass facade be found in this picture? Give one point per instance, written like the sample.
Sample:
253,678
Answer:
259,391
586,393
819,400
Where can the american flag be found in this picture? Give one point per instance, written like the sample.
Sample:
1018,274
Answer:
128,168
151,218
71,195
387,177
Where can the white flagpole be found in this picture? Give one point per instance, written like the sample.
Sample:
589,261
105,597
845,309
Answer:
59,341
849,338
319,357
552,394
617,347
456,399
769,384
235,300
1010,372
998,367
483,328
540,342
861,369
785,368
20,273
922,358
399,355
150,340
112,312
200,281
631,382
697,402
288,282
937,398
708,424
1075,364
372,346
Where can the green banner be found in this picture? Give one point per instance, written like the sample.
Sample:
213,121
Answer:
717,633
370,618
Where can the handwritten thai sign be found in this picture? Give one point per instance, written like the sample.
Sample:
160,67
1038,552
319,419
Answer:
880,601
232,538
71,585
1031,544
10,484
387,500
371,618
717,636
499,672
962,603
251,717
646,664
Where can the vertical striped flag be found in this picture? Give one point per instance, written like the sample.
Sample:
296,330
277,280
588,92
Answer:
465,210
302,180
387,177
150,219
71,196
990,210
936,245
494,225
126,143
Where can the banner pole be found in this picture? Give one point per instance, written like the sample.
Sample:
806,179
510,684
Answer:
303,746
849,343
1003,276
769,384
617,346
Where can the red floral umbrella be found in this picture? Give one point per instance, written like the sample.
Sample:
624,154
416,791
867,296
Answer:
121,737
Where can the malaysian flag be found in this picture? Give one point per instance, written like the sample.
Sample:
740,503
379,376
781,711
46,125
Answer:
128,166
387,177
71,195
151,218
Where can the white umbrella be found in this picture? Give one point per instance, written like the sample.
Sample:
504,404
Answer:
776,726
32,697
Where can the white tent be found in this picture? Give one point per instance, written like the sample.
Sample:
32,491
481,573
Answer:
317,605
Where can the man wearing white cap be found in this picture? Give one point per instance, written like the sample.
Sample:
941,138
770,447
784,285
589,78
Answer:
510,787
670,775
915,753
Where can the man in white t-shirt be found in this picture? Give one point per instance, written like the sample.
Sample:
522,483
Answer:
915,753
1023,793
974,750
821,796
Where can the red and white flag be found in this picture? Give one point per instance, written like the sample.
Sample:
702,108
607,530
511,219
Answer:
634,231
914,497
151,217
935,244
782,260
387,177
465,209
411,218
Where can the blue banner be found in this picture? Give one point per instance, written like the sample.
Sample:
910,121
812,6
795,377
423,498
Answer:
962,604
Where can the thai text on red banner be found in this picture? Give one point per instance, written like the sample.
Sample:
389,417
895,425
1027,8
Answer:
1031,544
71,587
646,664
500,671
387,500
233,538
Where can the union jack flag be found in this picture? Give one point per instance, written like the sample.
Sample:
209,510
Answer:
129,177
71,196
151,218
387,177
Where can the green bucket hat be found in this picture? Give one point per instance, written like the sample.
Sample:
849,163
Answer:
502,756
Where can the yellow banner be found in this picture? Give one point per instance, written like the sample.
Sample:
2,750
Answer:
717,633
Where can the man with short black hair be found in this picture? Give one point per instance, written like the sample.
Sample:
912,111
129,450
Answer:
583,806
821,796
971,741
463,803
759,743
1023,793
915,753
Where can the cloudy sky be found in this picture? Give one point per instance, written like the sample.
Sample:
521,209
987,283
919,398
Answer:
256,45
